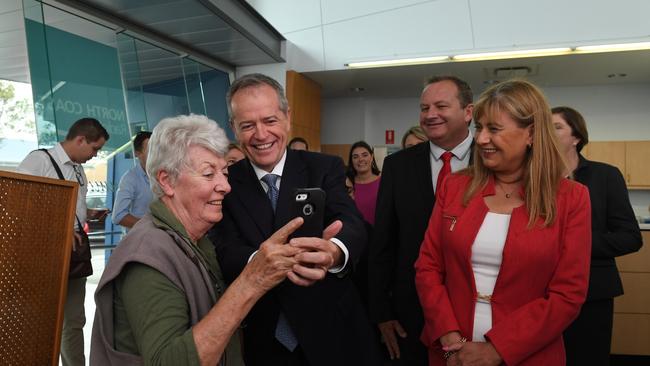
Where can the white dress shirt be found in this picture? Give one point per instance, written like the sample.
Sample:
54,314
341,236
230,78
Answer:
39,164
277,170
459,160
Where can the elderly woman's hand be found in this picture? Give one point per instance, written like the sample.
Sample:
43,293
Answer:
270,265
317,256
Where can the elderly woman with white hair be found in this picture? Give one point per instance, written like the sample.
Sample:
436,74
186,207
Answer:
162,299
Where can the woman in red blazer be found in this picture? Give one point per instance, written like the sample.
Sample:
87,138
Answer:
512,226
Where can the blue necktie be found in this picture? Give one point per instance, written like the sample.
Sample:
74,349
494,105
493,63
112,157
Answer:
283,332
273,192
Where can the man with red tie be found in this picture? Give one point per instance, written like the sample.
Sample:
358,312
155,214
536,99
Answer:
405,201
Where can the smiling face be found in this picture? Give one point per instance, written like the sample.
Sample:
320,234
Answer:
443,119
197,194
361,160
564,134
502,143
260,126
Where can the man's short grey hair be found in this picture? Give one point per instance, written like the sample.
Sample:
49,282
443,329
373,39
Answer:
255,80
171,140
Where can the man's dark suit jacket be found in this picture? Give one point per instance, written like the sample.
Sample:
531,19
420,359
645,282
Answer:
327,318
404,204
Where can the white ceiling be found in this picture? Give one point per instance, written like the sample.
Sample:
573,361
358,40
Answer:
567,70
206,30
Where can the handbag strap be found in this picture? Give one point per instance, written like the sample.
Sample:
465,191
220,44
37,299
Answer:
60,174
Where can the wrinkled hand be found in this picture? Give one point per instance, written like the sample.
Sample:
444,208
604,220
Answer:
76,243
316,257
270,265
388,330
473,354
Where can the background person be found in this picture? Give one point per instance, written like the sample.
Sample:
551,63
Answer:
234,154
84,139
404,204
298,143
504,265
134,194
614,232
162,299
364,173
413,136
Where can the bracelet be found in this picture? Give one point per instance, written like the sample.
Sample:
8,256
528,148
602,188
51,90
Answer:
448,354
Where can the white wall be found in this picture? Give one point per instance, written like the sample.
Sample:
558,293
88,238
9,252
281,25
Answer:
619,112
326,34
613,112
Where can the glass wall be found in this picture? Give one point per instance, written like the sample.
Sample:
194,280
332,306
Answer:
83,69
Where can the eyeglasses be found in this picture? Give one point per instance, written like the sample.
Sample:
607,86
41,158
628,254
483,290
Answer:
77,173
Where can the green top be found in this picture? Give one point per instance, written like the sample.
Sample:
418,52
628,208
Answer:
151,313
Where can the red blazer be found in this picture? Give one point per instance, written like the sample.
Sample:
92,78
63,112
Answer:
541,285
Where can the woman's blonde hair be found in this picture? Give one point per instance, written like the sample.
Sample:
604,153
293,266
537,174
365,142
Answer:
544,163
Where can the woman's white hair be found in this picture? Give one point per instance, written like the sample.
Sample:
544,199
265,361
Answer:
171,140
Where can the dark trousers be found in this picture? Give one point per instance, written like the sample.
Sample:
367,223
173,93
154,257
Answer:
275,354
412,352
588,340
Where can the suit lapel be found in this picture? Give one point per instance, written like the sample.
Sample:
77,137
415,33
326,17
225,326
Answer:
423,171
293,177
254,200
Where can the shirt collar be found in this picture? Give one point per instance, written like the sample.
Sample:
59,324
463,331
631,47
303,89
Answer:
277,170
141,171
460,151
62,155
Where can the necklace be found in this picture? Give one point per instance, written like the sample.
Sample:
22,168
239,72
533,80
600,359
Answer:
508,194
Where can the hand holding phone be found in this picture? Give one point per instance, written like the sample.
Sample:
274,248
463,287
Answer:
309,203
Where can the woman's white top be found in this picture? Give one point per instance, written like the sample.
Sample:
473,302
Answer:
487,252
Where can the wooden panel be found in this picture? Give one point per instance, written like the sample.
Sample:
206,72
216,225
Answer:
637,294
631,334
342,150
35,245
639,261
610,152
636,163
305,104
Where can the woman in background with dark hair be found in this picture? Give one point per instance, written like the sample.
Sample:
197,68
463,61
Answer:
364,173
614,232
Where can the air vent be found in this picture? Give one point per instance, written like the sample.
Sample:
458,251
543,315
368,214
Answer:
512,72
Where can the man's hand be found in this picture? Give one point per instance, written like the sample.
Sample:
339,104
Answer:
270,265
317,256
388,330
76,242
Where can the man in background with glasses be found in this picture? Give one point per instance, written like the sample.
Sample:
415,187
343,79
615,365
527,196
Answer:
134,193
84,139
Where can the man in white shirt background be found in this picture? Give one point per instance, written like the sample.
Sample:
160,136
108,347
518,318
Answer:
84,139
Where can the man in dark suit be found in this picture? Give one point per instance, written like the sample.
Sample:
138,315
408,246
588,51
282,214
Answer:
316,317
404,204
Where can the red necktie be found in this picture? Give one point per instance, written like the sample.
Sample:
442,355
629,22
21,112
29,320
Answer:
446,168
